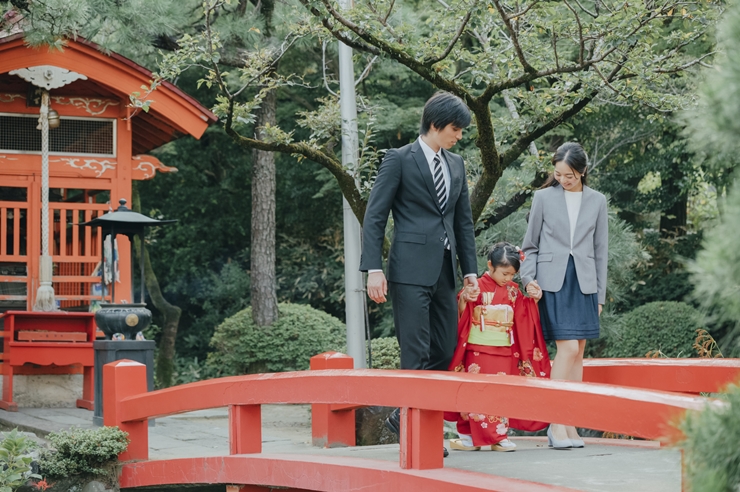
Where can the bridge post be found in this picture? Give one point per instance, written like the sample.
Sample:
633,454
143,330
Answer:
421,439
332,428
245,429
122,379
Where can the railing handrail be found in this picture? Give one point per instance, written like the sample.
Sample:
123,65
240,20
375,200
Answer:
549,400
663,362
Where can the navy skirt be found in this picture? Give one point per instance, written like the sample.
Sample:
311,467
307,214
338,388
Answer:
569,314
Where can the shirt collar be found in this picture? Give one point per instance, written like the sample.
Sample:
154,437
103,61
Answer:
428,152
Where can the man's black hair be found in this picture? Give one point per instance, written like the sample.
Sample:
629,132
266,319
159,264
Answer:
442,109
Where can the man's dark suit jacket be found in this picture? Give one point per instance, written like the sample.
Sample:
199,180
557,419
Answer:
405,186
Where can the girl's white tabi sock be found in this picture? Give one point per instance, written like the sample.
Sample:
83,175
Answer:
466,439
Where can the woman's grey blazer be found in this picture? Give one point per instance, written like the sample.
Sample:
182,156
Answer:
547,242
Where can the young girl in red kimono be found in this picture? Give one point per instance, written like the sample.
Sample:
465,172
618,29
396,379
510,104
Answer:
499,332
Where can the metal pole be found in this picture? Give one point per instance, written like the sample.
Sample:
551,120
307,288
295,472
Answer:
141,264
354,288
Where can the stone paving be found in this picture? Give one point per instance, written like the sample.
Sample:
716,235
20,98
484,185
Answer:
619,466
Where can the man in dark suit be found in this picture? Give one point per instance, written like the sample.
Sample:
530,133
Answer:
426,188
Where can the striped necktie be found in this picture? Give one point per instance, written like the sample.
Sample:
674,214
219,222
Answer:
441,188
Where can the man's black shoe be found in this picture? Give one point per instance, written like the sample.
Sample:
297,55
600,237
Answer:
393,422
445,453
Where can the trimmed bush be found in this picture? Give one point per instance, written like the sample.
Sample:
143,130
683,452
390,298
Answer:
240,347
669,327
83,452
711,454
386,353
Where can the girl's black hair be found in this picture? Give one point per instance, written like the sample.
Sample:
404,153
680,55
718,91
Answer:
443,109
504,254
574,156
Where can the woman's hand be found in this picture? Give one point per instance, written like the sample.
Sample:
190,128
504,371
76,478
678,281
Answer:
534,290
601,306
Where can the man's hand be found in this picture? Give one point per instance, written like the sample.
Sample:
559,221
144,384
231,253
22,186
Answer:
377,286
534,290
471,281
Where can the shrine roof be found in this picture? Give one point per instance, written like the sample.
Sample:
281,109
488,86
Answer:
172,113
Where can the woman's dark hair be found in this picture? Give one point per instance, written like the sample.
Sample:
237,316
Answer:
504,254
442,109
574,156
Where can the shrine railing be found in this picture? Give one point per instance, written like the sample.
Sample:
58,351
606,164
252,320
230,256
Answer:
76,251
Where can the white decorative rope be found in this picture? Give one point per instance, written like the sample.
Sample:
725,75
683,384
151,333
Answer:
45,294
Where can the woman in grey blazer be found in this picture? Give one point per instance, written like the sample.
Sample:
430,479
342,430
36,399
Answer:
566,248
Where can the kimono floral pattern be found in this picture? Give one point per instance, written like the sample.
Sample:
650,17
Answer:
526,356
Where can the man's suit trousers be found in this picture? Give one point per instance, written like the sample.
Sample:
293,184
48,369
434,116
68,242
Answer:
425,319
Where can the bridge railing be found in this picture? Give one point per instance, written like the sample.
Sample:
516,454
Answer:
336,390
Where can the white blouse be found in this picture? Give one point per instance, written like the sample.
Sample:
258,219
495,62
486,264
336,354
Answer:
573,203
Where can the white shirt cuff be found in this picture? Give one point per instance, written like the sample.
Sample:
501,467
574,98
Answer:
374,271
471,275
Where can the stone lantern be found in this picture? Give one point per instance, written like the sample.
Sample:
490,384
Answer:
126,319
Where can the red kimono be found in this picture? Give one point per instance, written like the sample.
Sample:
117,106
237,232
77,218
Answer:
526,356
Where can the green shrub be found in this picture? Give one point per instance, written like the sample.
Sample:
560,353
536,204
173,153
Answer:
386,353
83,452
240,347
711,453
15,461
669,327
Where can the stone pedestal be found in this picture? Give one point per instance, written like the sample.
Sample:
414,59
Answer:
370,427
112,350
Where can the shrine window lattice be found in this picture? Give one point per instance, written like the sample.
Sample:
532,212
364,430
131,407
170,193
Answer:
75,136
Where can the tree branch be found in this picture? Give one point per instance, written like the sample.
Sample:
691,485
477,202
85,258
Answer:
346,182
685,65
516,15
581,42
379,46
339,34
451,44
512,204
514,38
592,14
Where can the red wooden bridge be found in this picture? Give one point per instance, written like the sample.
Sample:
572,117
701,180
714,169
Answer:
635,397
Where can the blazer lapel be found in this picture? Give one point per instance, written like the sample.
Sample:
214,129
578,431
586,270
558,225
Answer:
585,197
561,198
426,174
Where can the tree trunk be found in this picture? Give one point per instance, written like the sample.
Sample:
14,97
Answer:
673,220
165,364
264,295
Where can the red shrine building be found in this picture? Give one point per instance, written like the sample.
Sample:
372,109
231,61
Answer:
99,147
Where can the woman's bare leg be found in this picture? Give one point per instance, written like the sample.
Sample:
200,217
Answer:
563,367
576,374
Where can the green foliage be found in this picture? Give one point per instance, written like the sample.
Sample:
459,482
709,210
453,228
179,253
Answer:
716,272
83,451
668,327
713,130
386,353
711,456
15,461
300,332
714,126
663,275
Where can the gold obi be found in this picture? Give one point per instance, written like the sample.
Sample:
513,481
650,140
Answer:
492,325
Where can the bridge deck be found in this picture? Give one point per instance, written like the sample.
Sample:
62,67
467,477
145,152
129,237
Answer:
638,466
